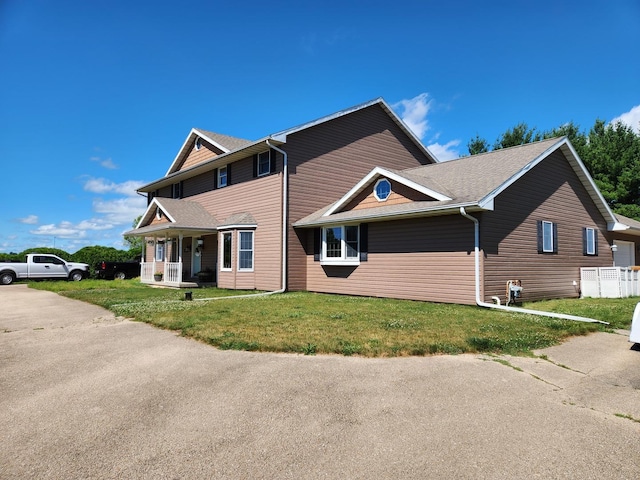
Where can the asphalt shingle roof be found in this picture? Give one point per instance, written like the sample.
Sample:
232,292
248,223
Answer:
228,142
187,215
467,180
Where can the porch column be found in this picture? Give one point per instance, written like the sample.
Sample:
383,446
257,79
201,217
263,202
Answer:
180,237
165,249
155,241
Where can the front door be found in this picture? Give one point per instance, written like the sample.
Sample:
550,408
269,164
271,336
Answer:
196,257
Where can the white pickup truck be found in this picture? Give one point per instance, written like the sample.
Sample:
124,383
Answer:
42,265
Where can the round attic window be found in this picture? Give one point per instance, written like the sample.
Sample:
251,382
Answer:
382,190
198,143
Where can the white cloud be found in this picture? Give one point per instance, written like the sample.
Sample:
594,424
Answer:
105,162
30,220
102,186
414,113
445,152
630,118
63,230
122,210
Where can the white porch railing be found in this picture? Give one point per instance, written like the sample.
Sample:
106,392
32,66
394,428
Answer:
172,272
609,282
146,272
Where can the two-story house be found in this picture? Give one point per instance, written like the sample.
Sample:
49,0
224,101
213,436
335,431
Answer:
354,203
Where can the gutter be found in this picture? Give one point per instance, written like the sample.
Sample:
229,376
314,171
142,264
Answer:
481,303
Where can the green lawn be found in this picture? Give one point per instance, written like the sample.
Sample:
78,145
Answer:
311,323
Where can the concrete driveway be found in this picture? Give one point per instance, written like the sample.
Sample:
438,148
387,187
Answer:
86,395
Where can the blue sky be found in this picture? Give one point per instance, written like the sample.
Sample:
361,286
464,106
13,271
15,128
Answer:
96,97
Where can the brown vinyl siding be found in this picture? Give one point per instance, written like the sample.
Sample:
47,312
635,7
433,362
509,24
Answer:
429,259
197,185
327,160
399,194
261,198
551,192
241,171
206,152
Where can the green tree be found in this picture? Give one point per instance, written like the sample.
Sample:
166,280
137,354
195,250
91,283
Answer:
611,154
518,135
572,131
95,254
54,251
477,145
135,243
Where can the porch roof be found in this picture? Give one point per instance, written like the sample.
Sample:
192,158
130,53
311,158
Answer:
628,225
182,216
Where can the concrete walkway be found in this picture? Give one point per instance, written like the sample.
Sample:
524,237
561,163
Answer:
86,395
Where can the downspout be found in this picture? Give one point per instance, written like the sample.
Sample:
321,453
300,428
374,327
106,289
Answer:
285,211
476,225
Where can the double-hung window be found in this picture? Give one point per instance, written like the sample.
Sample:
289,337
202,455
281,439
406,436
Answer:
160,252
245,250
264,163
547,237
340,245
222,177
589,241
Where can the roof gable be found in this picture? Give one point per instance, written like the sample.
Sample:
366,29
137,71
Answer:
219,144
472,182
170,213
233,149
370,180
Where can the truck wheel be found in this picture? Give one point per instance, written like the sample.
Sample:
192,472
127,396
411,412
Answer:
6,278
119,276
76,276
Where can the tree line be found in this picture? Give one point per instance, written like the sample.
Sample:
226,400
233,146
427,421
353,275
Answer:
92,255
610,152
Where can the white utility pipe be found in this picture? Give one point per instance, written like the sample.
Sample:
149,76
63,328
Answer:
285,211
476,224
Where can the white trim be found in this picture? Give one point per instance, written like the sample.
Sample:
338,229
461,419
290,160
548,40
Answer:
340,263
375,189
590,249
194,132
226,176
150,213
343,259
579,169
550,238
617,226
253,250
237,227
378,171
268,172
164,210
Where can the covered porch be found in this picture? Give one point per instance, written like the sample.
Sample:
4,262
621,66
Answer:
180,260
180,244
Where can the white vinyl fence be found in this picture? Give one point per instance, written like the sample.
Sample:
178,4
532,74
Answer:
609,282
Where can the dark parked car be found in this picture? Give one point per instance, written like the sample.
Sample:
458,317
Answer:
118,270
